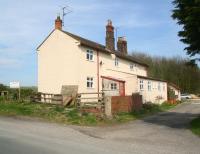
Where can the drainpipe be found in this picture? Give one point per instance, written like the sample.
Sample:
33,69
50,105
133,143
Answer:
98,72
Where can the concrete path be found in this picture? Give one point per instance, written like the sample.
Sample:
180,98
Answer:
165,133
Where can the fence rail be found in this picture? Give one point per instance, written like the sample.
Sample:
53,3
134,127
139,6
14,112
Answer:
93,100
47,98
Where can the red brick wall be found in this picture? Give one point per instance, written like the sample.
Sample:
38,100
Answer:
126,103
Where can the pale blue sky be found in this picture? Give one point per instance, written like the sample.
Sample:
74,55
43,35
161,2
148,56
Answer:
147,24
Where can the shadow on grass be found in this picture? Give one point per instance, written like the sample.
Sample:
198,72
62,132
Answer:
172,119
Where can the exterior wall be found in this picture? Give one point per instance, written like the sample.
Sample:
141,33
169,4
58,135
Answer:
57,63
108,68
177,92
154,95
121,72
62,61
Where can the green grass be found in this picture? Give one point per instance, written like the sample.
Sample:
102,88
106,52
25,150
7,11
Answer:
148,109
60,114
47,112
195,126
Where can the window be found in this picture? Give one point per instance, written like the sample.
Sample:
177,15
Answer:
159,86
89,55
116,61
135,67
149,85
89,82
113,86
163,86
131,66
141,85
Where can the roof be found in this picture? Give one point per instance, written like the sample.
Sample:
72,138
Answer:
150,78
174,85
112,78
88,43
100,47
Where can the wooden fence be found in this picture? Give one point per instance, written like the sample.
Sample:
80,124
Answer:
90,100
47,98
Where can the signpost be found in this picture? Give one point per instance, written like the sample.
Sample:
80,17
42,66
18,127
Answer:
15,85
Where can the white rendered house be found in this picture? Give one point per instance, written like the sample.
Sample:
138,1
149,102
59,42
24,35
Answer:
68,59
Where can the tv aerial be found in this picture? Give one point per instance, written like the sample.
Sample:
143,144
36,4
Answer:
65,10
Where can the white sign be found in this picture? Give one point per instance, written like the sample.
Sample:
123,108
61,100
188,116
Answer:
14,85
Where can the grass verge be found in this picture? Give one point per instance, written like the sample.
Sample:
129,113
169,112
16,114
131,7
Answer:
195,126
51,113
148,109
60,114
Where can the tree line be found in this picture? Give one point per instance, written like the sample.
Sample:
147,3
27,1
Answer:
177,70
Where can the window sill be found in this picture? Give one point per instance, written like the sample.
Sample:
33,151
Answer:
89,60
90,88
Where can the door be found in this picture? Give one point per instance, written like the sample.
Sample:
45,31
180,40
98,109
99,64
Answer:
122,88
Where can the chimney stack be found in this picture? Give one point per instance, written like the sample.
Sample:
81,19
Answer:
110,40
58,23
122,45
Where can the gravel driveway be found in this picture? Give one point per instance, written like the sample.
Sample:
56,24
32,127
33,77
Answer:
165,133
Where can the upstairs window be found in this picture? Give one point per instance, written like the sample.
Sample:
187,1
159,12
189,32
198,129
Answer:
90,55
131,66
116,61
149,85
90,82
113,86
141,85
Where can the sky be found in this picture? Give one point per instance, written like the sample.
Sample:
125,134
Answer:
147,25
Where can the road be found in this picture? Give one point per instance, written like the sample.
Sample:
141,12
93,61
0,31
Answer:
164,133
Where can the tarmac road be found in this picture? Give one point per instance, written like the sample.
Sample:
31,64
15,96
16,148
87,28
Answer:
164,133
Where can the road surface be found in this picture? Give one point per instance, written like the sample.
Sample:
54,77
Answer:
164,133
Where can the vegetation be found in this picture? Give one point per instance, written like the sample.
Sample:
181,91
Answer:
175,70
187,12
60,114
148,109
195,126
13,94
51,113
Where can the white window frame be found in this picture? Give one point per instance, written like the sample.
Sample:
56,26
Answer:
141,85
163,86
159,86
149,87
116,61
90,55
131,67
90,82
113,86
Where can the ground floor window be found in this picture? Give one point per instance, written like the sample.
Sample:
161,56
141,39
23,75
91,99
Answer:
163,86
113,86
141,85
159,88
90,82
149,85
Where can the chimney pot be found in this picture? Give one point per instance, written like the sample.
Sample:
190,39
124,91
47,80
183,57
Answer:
122,45
58,23
110,40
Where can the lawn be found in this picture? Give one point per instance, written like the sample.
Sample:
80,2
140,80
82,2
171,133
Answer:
60,114
195,126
